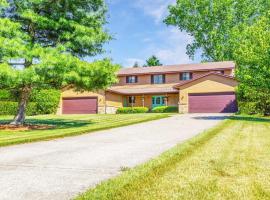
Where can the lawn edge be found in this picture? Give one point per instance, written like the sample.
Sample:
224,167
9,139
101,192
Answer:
48,138
145,173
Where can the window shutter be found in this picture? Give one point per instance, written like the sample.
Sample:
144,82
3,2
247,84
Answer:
152,79
164,78
180,76
136,79
126,79
191,75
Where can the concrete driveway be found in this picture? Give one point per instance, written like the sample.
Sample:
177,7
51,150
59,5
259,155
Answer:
62,168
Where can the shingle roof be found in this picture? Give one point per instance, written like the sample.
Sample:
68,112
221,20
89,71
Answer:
177,68
144,89
204,75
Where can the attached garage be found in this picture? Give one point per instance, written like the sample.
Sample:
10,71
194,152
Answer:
212,103
79,105
210,93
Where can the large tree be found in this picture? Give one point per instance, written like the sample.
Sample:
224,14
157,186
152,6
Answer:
230,30
152,61
43,43
211,22
253,61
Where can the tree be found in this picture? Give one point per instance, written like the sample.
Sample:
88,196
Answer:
50,38
210,22
230,30
136,65
152,61
253,60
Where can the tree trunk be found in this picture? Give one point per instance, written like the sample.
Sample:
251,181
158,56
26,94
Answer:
20,116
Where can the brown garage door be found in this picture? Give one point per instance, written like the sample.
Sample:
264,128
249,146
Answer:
83,105
213,103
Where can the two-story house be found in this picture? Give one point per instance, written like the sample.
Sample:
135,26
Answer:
193,88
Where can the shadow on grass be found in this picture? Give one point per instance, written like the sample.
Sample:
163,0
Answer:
58,123
236,117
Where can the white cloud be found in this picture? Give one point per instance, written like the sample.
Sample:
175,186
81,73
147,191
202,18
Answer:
172,49
157,9
129,62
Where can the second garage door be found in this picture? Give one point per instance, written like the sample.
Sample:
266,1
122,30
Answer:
83,105
213,103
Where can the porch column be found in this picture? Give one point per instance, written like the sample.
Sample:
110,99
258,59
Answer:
166,100
143,100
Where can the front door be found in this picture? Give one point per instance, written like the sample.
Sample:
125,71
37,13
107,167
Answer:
158,101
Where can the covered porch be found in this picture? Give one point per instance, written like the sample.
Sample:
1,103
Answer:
150,100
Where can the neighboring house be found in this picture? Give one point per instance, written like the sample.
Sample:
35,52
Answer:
193,88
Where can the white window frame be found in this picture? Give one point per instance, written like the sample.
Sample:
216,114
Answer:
158,79
131,79
185,76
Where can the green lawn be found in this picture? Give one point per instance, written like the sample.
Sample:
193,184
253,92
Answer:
230,161
68,125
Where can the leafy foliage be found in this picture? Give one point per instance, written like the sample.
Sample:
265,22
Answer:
47,101
130,110
152,61
47,40
5,95
231,30
165,109
10,108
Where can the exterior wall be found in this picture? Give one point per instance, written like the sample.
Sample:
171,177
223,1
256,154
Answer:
172,100
207,84
170,78
106,103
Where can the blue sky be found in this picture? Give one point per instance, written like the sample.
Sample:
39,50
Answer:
139,32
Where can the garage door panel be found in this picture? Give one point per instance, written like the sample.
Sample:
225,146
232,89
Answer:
80,105
212,103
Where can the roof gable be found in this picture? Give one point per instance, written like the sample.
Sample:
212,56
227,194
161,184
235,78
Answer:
203,76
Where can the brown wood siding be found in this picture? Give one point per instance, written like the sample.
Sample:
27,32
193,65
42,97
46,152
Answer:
213,103
169,77
80,105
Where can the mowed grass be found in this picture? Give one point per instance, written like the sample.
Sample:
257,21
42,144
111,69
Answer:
230,161
68,125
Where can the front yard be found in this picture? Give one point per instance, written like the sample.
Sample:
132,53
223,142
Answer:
230,161
68,125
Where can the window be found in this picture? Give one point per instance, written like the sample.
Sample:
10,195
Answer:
185,76
158,79
222,72
131,79
131,99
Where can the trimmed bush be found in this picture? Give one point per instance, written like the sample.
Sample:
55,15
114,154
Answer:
252,108
129,110
5,95
165,109
10,108
47,100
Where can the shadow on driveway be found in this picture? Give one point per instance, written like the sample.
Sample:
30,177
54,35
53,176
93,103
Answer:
236,117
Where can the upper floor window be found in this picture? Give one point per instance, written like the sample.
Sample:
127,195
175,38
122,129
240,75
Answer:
131,79
185,76
158,79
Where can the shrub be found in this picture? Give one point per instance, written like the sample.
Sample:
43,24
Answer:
5,95
10,108
252,108
165,109
128,110
47,100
